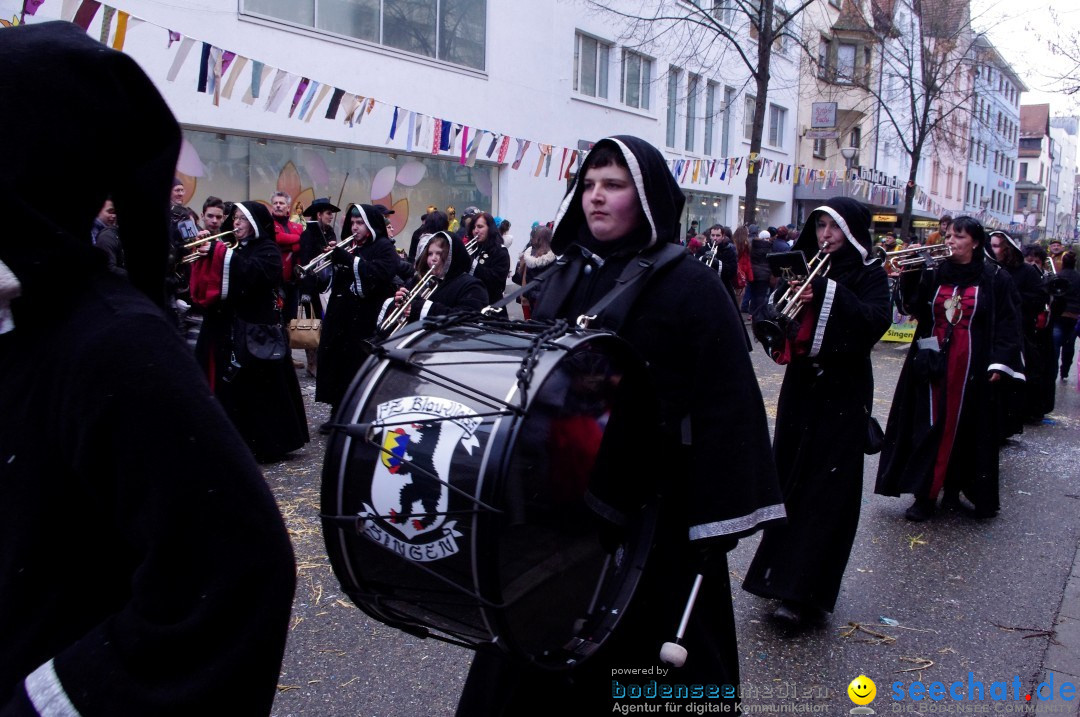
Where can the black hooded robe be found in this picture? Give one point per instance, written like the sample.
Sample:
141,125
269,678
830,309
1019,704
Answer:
261,397
961,406
357,293
685,326
135,525
821,423
458,290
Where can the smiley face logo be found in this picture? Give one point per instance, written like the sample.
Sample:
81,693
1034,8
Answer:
862,690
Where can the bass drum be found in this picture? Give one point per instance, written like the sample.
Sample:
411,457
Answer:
468,479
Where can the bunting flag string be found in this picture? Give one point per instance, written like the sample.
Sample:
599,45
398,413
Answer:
220,70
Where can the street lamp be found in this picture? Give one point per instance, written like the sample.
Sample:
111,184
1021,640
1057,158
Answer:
848,153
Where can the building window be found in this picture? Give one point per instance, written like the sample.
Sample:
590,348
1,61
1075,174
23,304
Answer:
819,148
748,116
1023,171
777,116
725,129
449,30
935,169
845,63
636,80
691,110
672,103
591,66
967,193
948,183
724,11
710,112
824,46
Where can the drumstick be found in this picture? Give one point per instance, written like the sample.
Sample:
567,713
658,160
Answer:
579,624
673,653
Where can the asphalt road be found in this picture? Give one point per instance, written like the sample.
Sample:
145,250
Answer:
966,596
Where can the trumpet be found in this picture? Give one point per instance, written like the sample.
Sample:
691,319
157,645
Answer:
423,289
323,260
789,303
916,257
772,328
194,256
472,246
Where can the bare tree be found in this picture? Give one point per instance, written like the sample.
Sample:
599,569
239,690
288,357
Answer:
709,31
1065,46
924,86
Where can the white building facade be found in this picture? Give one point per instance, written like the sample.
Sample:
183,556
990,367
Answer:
993,144
440,103
1064,130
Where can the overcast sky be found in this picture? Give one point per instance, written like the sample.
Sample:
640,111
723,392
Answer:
1015,28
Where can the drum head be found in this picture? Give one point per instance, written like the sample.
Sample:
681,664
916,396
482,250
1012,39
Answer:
472,484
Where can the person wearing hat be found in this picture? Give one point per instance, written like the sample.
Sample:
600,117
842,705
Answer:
464,232
1027,401
362,280
135,525
822,416
315,239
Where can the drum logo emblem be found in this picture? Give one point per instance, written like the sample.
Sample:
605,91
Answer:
420,436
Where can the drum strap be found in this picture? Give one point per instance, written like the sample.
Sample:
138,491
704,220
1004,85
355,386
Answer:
615,305
613,308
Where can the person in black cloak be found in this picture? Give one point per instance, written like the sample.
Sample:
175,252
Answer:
491,259
942,433
241,287
362,280
1027,401
135,525
623,209
455,288
822,417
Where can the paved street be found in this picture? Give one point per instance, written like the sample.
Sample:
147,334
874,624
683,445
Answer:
984,597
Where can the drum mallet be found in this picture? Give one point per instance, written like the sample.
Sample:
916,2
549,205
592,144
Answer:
672,653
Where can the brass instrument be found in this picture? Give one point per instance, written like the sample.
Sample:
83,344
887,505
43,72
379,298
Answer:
423,289
771,328
789,303
1055,285
472,246
194,256
323,260
916,257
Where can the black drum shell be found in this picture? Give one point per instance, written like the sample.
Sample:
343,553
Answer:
522,568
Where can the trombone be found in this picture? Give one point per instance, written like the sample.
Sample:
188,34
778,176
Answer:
323,260
916,257
194,255
423,289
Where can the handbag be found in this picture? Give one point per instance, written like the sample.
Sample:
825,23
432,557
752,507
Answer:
258,342
875,437
305,330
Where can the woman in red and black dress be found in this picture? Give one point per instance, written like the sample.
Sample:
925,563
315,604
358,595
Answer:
942,432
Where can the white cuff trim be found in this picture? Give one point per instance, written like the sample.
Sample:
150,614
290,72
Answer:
425,310
737,525
357,287
1006,370
47,694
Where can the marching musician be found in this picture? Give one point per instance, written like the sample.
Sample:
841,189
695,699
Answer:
1027,401
318,236
243,284
445,263
362,280
491,260
135,525
823,415
684,325
942,435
